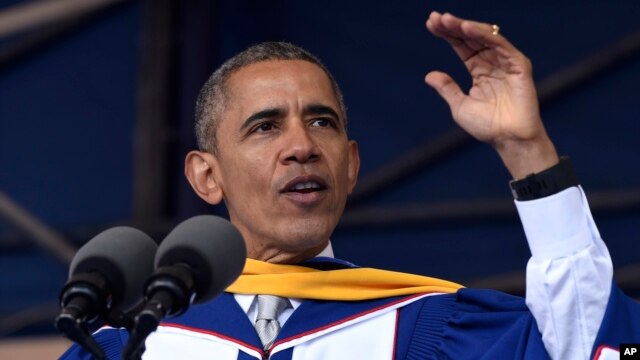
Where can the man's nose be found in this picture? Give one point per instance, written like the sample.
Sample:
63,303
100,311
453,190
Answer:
299,145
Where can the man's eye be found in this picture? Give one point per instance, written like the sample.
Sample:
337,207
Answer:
264,127
321,122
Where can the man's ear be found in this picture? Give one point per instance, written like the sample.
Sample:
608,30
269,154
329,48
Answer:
201,168
354,164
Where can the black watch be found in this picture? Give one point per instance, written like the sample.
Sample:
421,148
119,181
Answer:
548,182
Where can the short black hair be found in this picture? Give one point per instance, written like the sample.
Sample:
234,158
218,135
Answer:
213,96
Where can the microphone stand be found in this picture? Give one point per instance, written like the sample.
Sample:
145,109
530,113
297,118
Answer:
82,295
169,292
85,294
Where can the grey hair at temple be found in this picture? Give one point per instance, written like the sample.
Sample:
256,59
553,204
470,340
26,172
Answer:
213,96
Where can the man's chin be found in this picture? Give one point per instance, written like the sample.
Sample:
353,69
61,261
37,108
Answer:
292,240
306,231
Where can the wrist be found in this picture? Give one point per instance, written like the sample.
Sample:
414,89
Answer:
522,158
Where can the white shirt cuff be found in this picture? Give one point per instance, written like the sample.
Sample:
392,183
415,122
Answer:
556,225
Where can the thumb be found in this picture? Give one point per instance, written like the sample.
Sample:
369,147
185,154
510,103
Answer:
446,87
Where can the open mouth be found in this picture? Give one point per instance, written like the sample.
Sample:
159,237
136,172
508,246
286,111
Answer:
304,185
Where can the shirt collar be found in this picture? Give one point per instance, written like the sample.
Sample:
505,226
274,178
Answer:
327,251
246,301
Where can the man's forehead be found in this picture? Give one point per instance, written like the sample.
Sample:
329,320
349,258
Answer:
257,84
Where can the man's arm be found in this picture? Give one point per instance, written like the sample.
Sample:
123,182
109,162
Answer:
569,275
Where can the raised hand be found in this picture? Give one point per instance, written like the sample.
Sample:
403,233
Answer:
501,108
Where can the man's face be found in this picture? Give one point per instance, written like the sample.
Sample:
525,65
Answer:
284,163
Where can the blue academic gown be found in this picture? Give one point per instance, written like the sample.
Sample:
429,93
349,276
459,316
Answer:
470,324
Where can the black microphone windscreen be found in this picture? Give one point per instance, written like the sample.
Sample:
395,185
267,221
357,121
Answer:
211,246
124,256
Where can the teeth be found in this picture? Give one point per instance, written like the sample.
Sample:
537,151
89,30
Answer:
306,185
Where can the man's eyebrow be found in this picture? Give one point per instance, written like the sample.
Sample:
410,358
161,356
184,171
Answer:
319,109
260,115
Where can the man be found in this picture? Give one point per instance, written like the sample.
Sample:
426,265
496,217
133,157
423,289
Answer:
271,129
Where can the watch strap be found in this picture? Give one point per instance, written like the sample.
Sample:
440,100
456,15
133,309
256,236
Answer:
547,182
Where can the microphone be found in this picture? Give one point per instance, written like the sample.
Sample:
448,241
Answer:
200,258
106,278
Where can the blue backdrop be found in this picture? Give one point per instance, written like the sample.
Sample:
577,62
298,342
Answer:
67,115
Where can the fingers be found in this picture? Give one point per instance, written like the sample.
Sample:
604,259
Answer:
447,88
449,28
463,50
467,37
